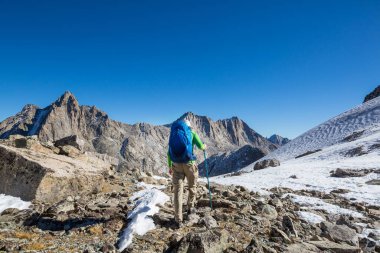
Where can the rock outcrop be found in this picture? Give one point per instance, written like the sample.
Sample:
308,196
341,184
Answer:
37,172
374,94
140,146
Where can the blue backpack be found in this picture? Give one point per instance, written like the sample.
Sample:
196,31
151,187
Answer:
181,143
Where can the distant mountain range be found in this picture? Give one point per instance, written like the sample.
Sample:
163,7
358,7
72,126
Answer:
139,146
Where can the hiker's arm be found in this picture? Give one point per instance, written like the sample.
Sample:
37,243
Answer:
197,141
170,162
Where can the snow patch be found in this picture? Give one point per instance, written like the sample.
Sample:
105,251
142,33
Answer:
309,217
7,201
40,117
146,205
313,172
318,204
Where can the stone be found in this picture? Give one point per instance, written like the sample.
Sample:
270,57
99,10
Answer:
358,151
373,182
72,140
335,247
288,225
210,241
69,151
255,246
21,142
108,248
266,163
339,233
46,176
269,212
350,173
192,219
367,244
216,203
209,222
275,232
302,248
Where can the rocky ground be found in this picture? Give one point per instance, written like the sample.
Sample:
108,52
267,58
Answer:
92,219
240,221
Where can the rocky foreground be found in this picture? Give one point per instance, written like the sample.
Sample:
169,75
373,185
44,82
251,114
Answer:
90,215
241,221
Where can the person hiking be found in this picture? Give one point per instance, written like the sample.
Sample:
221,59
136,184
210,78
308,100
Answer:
182,163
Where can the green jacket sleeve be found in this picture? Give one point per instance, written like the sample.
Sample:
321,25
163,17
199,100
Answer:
197,141
170,162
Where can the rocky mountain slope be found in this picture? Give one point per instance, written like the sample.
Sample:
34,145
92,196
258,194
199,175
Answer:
278,140
139,146
374,94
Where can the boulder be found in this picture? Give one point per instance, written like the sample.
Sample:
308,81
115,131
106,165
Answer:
69,151
71,140
46,176
269,212
335,247
339,233
266,163
210,241
351,173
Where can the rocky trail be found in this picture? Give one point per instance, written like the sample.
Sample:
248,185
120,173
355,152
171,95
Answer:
241,221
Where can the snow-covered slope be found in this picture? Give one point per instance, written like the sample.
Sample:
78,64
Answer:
363,117
312,172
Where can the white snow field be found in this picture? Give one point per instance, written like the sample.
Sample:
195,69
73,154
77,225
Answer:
312,172
362,117
310,217
7,201
146,204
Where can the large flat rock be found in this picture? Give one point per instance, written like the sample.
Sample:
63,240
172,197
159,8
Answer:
41,174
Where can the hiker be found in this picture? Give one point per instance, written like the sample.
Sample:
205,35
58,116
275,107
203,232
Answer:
182,163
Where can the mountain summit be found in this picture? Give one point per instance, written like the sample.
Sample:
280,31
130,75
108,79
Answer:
278,140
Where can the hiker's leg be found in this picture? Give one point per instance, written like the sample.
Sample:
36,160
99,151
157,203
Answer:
191,172
178,177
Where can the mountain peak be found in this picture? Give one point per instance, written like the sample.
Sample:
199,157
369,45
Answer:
278,140
66,98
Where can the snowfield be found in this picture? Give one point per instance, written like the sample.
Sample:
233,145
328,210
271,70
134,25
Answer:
12,202
312,172
363,117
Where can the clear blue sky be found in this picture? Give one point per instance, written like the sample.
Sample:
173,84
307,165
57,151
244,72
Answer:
282,66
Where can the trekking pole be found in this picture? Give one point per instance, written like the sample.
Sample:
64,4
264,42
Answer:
208,180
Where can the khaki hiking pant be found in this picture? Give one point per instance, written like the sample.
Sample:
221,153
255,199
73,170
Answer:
180,171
